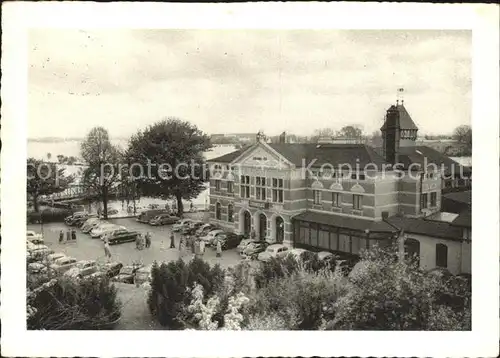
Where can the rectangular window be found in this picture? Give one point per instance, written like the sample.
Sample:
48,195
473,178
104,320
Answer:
423,201
433,200
336,200
344,243
217,185
230,187
317,197
260,188
277,185
324,238
355,245
245,186
314,236
357,202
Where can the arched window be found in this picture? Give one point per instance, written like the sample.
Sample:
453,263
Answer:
441,255
230,213
217,211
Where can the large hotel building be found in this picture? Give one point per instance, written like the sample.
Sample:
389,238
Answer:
345,197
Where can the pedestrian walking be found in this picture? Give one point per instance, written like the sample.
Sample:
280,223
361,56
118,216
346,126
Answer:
73,235
181,242
137,239
148,240
193,241
191,207
202,247
172,242
162,246
68,235
252,235
219,249
107,251
61,237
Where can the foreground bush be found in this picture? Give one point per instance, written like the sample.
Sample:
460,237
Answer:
67,304
171,284
384,294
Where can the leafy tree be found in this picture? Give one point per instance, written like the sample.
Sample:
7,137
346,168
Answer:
322,132
102,173
463,135
351,132
44,179
170,158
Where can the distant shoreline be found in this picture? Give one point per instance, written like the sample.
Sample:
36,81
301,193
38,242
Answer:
60,140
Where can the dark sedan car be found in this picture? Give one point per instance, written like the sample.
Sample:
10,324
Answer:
228,240
163,219
127,274
112,269
120,236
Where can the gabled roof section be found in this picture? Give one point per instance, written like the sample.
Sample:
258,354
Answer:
229,157
332,154
460,196
464,219
405,121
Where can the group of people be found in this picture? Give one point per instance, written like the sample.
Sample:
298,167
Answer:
70,235
142,242
196,245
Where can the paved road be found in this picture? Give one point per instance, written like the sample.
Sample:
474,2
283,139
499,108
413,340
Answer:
87,248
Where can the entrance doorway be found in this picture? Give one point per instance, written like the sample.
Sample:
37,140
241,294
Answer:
280,230
247,223
262,226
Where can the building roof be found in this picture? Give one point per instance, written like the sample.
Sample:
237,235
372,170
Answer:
345,222
418,155
305,153
464,219
405,121
421,226
460,196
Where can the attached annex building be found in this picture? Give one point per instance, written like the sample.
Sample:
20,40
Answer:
337,197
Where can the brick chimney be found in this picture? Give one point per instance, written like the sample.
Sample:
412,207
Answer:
282,138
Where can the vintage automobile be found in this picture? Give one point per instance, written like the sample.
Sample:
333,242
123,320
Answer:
120,235
72,219
147,215
228,240
275,250
111,269
181,224
82,269
143,275
163,219
127,274
53,257
191,228
243,244
63,264
253,249
100,230
210,237
36,267
87,227
205,229
31,235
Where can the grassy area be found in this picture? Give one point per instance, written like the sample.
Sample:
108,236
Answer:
135,312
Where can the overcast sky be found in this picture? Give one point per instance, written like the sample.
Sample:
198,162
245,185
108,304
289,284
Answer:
243,81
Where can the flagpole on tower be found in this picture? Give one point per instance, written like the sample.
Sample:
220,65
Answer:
400,96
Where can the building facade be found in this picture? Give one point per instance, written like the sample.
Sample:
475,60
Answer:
326,196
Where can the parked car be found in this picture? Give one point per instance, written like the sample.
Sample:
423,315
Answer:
191,228
120,236
229,240
63,264
243,244
143,275
37,241
181,224
147,215
205,229
275,250
71,220
82,220
32,247
32,235
87,227
328,257
53,257
127,274
254,249
82,269
36,267
111,269
110,212
210,237
163,219
97,232
39,254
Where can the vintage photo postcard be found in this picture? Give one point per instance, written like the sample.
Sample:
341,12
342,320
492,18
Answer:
250,180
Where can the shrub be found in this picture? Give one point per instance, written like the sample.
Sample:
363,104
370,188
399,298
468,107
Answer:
67,304
171,286
384,294
275,268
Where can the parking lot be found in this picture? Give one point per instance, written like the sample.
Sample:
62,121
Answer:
86,248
